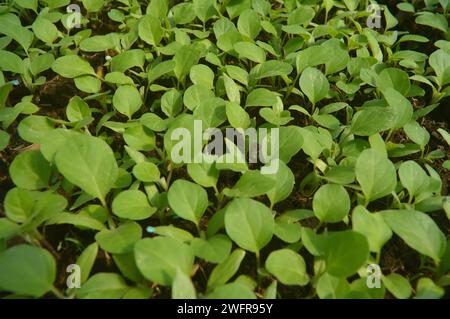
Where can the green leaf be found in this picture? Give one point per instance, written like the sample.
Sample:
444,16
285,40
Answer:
288,267
88,84
71,66
171,102
78,220
44,30
93,5
11,62
397,285
214,250
351,4
249,224
139,138
129,59
330,287
237,116
261,97
86,261
211,112
158,8
202,74
400,106
391,21
434,20
232,291
250,51
249,24
127,266
345,252
204,9
301,16
33,128
183,13
103,286
11,26
271,68
372,120
340,174
427,289
338,60
150,30
288,231
237,73
232,89
127,100
188,200
195,95
314,84
4,140
440,62
28,4
331,203
284,184
21,205
251,184
7,229
27,270
77,109
153,122
407,7
204,174
182,287
159,258
376,174
146,172
226,269
271,291
290,142
418,231
99,43
89,163
413,177
417,133
373,226
120,240
395,79
186,57
132,204
315,140
30,170
174,232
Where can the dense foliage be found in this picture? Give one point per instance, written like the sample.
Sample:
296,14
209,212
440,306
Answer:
357,209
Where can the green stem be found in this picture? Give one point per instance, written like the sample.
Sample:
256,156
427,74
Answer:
57,293
111,222
41,241
291,87
169,176
220,198
389,135
367,201
258,261
216,191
